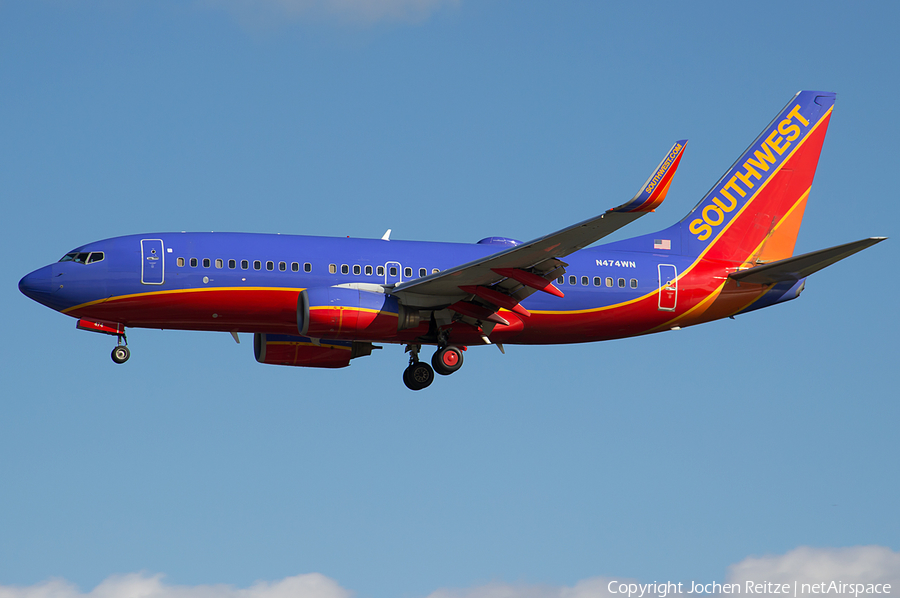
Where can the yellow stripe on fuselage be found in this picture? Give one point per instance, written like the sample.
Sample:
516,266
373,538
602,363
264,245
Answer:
175,291
700,304
595,309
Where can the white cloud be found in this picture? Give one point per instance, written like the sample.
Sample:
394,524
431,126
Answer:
136,585
858,564
267,12
595,587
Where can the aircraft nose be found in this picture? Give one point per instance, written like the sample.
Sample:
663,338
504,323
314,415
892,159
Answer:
38,285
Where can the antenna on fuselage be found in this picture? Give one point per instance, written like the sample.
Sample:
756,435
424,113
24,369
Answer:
386,236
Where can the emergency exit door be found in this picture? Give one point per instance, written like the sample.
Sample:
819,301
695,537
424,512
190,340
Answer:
668,287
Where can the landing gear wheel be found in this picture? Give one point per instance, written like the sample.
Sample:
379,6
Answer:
418,375
121,354
447,360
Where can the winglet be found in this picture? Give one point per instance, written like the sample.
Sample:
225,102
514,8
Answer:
653,192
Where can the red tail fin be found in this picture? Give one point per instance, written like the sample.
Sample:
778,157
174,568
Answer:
753,214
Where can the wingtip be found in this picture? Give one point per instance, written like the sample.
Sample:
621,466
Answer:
654,190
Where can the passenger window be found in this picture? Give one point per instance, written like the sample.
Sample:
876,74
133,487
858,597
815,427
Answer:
379,270
295,266
634,283
206,262
96,256
573,279
393,270
180,262
257,265
598,282
219,263
307,267
345,269
232,264
282,266
423,272
561,280
368,270
609,281
621,283
270,266
193,262
584,281
435,270
356,270
407,272
244,264
332,268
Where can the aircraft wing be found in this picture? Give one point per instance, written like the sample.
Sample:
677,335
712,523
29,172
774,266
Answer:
530,267
801,266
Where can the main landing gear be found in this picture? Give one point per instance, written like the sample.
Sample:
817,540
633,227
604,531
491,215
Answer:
419,374
120,353
447,360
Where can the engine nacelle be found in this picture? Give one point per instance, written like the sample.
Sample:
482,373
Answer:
283,349
343,313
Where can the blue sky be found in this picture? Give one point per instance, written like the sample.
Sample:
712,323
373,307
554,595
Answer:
680,456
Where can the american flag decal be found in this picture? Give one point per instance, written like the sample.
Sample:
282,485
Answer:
662,244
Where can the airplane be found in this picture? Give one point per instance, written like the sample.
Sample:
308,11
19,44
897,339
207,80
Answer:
322,302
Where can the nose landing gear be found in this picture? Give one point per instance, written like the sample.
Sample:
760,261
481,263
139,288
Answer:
120,353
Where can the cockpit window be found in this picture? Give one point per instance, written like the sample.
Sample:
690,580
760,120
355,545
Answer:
78,258
96,256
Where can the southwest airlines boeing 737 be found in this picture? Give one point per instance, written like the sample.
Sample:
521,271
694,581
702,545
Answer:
322,302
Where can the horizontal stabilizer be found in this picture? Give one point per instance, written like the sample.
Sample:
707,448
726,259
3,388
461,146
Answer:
801,266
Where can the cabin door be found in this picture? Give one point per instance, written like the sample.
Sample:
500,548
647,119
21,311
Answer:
393,273
668,287
153,261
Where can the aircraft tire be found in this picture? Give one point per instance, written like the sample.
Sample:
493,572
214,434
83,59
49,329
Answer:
447,360
418,376
121,354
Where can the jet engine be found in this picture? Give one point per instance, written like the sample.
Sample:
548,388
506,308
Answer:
283,349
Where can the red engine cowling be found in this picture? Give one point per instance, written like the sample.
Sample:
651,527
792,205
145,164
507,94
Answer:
283,349
342,313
